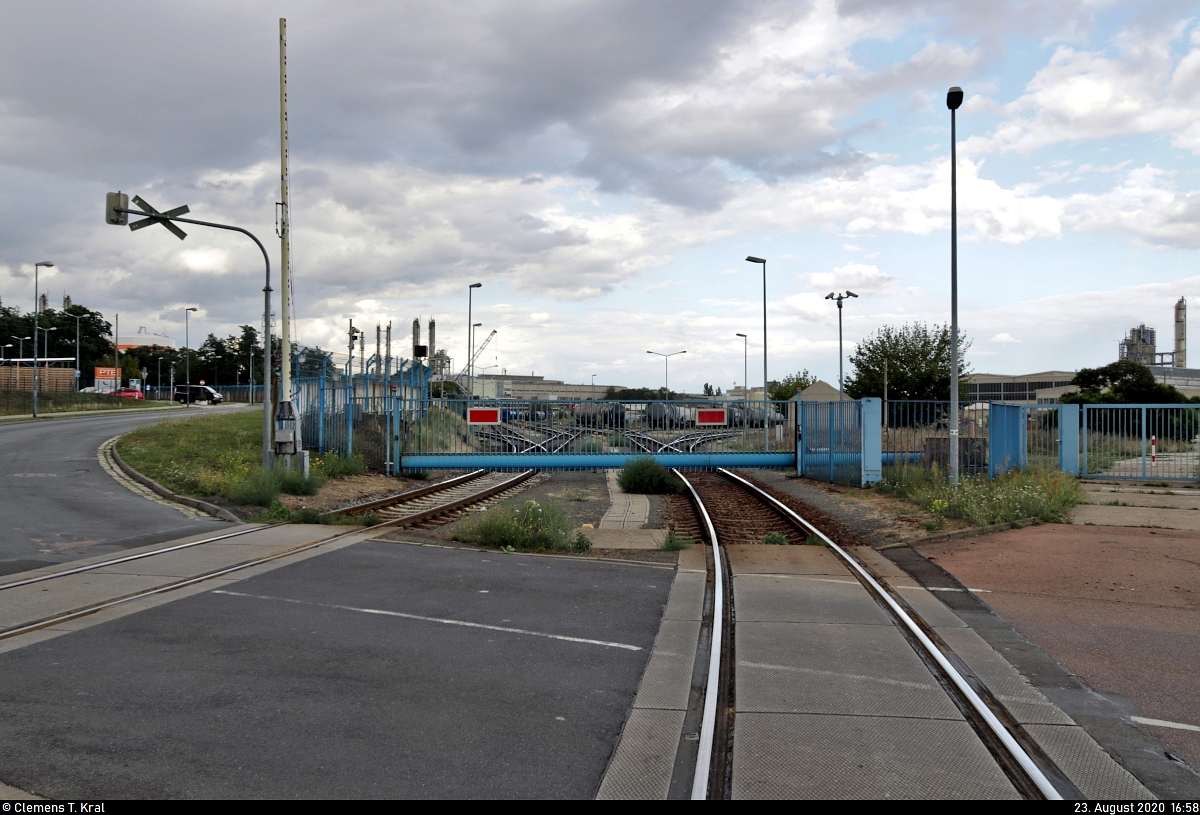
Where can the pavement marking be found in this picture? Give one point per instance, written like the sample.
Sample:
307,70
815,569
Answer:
423,618
837,674
1161,723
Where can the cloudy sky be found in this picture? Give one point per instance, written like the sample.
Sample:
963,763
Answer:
603,167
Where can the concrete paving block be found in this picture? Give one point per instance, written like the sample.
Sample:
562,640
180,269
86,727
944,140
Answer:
834,669
687,597
767,598
693,559
1025,702
932,610
878,563
624,538
1090,768
788,756
758,559
644,760
667,682
42,600
1097,515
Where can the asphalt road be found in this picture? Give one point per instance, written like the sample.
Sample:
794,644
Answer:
58,504
344,676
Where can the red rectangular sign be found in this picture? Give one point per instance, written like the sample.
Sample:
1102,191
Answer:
711,417
483,415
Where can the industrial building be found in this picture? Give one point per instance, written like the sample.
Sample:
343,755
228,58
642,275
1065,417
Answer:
513,386
1140,344
1043,387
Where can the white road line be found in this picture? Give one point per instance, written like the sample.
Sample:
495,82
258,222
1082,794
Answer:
1161,723
463,623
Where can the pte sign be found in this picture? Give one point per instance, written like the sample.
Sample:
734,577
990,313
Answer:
710,417
483,415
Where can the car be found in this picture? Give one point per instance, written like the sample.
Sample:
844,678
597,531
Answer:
193,394
89,390
129,393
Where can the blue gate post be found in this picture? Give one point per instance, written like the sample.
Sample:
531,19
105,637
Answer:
1068,439
321,409
1143,442
872,441
1083,469
350,418
832,426
796,435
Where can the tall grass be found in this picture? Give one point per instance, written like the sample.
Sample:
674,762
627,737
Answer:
645,476
1044,495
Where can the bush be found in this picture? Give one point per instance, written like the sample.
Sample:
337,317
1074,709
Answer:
277,513
261,489
293,483
775,539
645,476
528,526
673,543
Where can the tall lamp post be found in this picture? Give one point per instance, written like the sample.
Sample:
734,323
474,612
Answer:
36,312
46,343
838,298
593,387
470,335
954,100
78,373
666,373
21,352
745,365
215,364
752,259
187,354
471,363
158,379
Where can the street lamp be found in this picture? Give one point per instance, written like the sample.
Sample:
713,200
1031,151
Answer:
593,387
838,298
20,355
954,100
215,358
187,355
77,373
745,365
666,376
470,335
752,259
36,312
46,343
158,379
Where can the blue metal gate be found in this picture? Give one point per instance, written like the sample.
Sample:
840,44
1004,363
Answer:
1140,441
841,441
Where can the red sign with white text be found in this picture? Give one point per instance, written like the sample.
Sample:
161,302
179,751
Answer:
483,416
708,417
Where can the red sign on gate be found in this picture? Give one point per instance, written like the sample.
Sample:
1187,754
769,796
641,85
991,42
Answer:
483,416
710,417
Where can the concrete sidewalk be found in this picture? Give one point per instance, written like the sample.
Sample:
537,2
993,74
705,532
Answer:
1133,505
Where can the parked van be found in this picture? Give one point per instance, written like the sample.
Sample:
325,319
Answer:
192,394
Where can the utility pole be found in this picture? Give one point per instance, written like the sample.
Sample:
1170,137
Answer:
285,230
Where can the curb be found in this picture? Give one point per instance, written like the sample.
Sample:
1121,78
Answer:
194,503
961,533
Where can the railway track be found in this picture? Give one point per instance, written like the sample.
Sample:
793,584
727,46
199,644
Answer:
729,509
427,506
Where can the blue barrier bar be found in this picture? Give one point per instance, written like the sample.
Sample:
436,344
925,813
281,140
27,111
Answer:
536,461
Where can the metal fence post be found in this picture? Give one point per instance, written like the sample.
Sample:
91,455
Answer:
872,440
1143,442
350,419
797,430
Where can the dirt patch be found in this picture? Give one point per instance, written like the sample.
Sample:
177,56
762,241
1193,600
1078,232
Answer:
338,492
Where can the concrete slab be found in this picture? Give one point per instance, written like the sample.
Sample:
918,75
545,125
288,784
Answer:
694,559
26,604
667,682
789,756
931,609
641,767
1023,700
1087,764
758,559
771,598
1142,497
625,538
1098,515
687,597
880,565
867,670
627,511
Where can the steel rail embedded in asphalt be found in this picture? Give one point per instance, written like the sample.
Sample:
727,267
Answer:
1001,733
708,722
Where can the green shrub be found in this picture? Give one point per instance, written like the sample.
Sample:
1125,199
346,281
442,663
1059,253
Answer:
645,476
672,542
261,489
775,539
331,465
526,526
293,483
813,540
277,513
582,542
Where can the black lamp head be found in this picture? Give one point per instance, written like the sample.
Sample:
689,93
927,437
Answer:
954,98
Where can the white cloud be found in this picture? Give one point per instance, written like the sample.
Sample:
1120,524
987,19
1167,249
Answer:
665,284
865,280
1003,337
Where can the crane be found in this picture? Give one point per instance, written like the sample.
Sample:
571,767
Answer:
478,351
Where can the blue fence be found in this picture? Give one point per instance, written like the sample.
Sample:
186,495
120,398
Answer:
841,441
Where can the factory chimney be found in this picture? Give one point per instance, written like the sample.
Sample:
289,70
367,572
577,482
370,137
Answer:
432,348
1180,357
416,337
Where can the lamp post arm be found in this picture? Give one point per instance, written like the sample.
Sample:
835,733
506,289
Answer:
266,313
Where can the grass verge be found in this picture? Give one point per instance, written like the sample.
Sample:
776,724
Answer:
221,455
18,403
1040,494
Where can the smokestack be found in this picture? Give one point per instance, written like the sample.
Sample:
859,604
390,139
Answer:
1180,357
432,349
416,336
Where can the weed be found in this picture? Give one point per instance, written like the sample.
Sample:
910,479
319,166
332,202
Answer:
277,513
582,542
528,526
1155,484
261,489
590,446
294,483
1016,495
645,476
775,539
813,540
331,465
673,542
575,494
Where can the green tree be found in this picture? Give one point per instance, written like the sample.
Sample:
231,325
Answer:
1122,382
917,358
787,387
